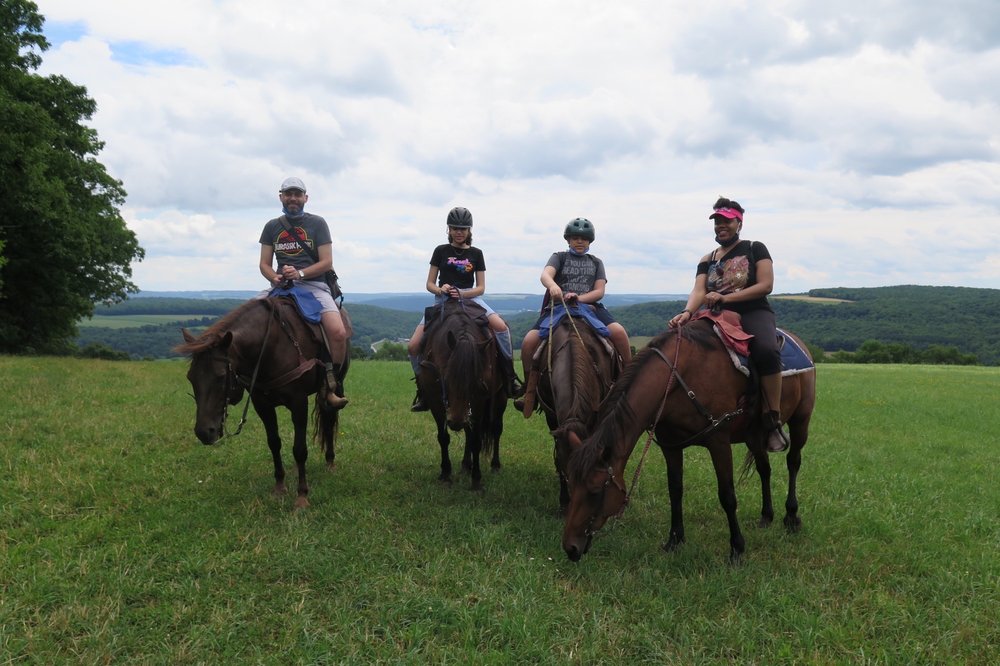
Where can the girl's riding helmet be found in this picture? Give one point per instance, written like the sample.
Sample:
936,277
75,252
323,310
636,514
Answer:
460,217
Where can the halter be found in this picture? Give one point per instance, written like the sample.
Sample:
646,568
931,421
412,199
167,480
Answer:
589,532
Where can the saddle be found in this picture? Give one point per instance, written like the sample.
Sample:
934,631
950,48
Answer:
727,326
534,376
437,313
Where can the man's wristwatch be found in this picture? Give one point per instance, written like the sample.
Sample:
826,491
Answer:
302,276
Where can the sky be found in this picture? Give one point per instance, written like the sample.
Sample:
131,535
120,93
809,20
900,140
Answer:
862,137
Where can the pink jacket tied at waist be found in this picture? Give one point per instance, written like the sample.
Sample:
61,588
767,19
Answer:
728,325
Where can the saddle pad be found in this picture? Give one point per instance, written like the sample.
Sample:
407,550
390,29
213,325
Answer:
306,303
584,312
793,359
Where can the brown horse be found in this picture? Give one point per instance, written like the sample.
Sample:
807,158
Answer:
684,387
264,346
575,370
463,386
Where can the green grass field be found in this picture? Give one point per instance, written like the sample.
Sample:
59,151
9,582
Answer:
132,321
123,540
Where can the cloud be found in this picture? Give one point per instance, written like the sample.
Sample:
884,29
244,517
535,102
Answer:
850,140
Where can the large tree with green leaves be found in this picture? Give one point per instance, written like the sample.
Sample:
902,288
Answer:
64,244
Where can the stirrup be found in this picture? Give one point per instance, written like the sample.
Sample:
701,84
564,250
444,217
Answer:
418,404
777,440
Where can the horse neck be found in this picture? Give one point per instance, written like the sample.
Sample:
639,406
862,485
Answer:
249,334
576,385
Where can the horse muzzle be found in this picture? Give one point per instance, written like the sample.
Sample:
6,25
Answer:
209,435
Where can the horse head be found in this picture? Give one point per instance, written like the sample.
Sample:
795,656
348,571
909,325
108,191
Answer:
595,472
463,374
213,381
597,492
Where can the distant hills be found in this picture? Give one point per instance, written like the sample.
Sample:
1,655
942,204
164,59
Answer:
417,301
834,319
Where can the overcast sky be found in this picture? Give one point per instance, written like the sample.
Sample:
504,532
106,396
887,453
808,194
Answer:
862,137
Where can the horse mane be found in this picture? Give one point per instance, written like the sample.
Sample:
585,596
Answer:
586,393
465,362
616,415
210,336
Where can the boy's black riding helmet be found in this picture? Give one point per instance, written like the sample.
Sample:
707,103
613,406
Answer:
582,227
460,217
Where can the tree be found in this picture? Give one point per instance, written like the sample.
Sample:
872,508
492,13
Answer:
65,244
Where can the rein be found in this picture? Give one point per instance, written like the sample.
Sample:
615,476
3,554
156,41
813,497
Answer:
253,380
649,440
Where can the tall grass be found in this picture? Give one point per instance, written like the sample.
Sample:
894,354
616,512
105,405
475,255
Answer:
124,540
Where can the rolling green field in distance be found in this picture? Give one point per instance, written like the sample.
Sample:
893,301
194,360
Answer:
124,540
132,321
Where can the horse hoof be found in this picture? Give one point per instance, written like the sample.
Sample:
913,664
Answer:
735,559
671,545
793,524
495,469
301,503
330,466
765,522
279,490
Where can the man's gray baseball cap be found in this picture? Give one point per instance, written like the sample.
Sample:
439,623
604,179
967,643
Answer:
292,183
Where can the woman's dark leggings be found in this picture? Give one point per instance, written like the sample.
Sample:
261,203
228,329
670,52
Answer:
764,345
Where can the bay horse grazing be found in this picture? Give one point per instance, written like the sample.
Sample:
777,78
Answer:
575,370
684,387
463,385
264,346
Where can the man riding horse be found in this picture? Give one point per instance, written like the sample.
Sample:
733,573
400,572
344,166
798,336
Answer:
302,246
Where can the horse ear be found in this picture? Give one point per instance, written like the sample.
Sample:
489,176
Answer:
226,340
452,341
574,440
187,335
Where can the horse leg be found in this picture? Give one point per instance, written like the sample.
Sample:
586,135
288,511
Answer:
473,446
793,459
763,464
444,439
300,418
327,430
675,488
496,431
269,418
722,461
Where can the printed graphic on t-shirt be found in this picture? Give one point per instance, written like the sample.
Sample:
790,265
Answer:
285,243
460,265
578,274
729,276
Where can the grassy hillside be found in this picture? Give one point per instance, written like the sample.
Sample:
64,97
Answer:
124,541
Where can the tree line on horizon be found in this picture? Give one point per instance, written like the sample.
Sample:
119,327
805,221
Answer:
904,324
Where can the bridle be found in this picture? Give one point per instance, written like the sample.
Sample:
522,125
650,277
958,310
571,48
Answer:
233,381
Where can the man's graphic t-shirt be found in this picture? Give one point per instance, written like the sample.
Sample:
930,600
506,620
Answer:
312,230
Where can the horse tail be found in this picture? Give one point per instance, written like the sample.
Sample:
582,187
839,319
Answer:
325,424
747,468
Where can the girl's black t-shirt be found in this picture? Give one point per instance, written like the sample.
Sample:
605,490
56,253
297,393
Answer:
458,266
